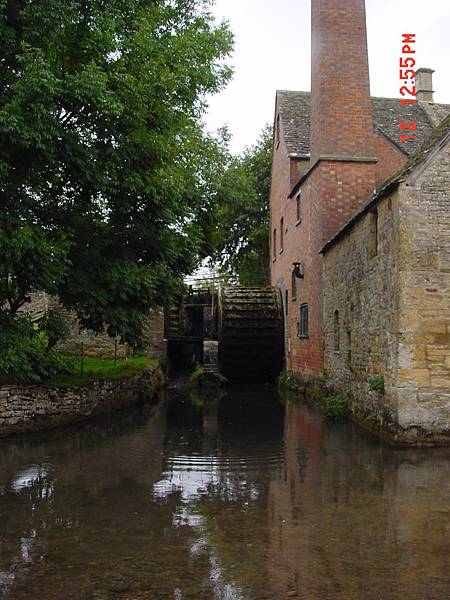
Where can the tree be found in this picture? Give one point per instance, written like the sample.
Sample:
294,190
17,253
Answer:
241,235
103,162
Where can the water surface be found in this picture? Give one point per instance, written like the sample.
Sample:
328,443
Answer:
232,498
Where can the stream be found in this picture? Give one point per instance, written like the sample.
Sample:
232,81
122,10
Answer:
239,496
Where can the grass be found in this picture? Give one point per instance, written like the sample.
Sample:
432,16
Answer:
100,369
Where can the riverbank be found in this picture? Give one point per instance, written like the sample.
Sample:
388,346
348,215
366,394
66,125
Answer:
29,408
369,412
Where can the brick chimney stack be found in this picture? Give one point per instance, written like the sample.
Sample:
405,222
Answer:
341,110
424,85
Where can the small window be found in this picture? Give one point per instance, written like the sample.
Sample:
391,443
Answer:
281,234
293,286
304,321
274,244
286,301
373,233
277,132
337,333
298,200
349,346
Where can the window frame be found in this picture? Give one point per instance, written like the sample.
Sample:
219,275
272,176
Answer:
298,208
336,332
281,234
303,332
373,233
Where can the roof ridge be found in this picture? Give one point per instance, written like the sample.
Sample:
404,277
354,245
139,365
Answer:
396,99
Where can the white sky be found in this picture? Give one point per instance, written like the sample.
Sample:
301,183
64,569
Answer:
273,47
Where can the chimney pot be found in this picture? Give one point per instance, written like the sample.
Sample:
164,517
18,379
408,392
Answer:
424,85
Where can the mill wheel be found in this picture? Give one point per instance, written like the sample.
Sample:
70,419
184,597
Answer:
250,333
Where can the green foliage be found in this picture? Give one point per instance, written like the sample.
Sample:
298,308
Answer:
323,379
241,236
372,418
105,172
25,356
334,408
197,374
54,326
376,384
287,382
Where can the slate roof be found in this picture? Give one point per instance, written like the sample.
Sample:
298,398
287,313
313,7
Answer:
295,110
437,135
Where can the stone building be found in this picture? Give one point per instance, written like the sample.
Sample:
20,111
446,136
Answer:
386,308
80,340
341,172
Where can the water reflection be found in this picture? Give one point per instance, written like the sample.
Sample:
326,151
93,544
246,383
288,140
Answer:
353,518
233,498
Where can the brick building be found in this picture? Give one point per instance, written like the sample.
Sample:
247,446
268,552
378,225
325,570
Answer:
334,150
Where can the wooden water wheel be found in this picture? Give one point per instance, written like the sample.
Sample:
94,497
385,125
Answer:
251,344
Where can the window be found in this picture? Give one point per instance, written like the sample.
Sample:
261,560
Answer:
274,244
349,346
304,321
277,132
337,333
286,300
373,233
298,200
281,234
293,286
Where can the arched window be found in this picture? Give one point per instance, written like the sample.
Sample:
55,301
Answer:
337,332
286,300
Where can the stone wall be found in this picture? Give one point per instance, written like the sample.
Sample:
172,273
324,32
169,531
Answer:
98,344
362,287
393,308
424,345
31,408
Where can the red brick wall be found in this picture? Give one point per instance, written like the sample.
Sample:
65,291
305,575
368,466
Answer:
341,124
390,159
341,111
298,166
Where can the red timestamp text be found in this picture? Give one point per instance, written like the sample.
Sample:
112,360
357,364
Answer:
407,76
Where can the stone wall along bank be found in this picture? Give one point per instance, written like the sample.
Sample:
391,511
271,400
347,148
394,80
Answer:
31,408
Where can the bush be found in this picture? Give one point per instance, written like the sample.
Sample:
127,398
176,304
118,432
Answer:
287,382
376,383
335,408
54,327
198,373
25,356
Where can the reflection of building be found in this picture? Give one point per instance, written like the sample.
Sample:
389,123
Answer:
360,236
354,519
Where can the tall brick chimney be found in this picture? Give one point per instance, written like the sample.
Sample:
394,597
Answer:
341,110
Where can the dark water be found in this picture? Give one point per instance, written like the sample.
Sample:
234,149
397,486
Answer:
242,498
